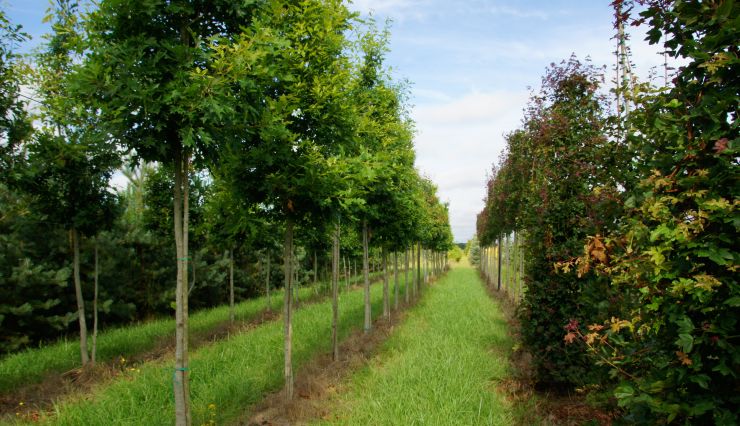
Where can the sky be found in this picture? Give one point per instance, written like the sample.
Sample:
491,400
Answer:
472,65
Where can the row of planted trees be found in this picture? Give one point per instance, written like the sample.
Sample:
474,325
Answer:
236,122
628,223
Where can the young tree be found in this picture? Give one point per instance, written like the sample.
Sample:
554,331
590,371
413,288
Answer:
69,163
292,165
152,74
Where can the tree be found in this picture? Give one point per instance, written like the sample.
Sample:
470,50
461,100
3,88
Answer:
152,75
672,348
293,164
69,165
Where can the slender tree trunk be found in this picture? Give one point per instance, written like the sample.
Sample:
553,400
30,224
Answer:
231,285
95,306
267,283
335,293
194,262
406,293
386,295
180,378
498,286
296,284
508,264
288,314
315,273
396,290
521,271
78,295
346,272
365,268
418,267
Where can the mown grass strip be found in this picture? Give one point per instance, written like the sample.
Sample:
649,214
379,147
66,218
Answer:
225,376
442,366
34,364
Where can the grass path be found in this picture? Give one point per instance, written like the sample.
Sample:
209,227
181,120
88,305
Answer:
445,365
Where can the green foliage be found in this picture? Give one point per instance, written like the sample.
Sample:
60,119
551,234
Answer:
473,251
565,197
631,245
674,348
15,125
455,253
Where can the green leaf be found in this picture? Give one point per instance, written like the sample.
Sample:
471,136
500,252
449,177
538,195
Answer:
674,103
701,380
686,341
624,392
733,301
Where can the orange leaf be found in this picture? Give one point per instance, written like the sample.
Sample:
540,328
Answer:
685,360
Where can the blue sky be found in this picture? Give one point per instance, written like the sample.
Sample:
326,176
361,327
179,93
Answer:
471,63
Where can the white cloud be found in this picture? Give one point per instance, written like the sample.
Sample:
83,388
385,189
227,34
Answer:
456,144
396,9
518,13
475,107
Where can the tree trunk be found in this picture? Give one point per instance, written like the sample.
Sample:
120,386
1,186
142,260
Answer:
386,295
267,283
194,262
346,272
521,271
288,308
418,267
231,285
365,267
294,287
78,295
396,291
498,286
315,273
335,294
95,306
406,294
180,378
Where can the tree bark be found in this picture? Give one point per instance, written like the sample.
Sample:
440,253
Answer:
396,291
315,273
335,294
406,272
346,272
365,269
498,287
180,378
231,285
294,287
288,308
267,283
95,306
78,295
418,267
386,295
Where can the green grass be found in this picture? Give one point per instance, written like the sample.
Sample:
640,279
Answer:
32,365
441,366
231,374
